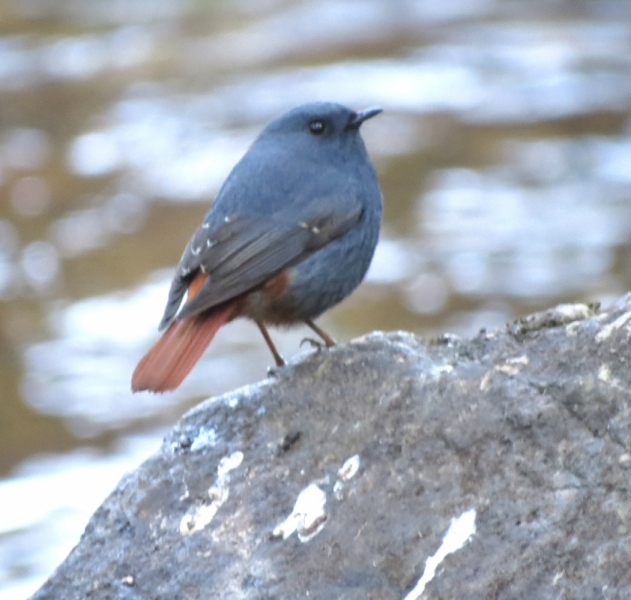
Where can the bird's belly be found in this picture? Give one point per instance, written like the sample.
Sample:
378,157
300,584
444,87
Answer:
270,303
316,284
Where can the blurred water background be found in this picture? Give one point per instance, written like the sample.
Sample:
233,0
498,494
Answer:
504,155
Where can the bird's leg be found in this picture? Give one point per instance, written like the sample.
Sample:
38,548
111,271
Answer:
268,340
328,340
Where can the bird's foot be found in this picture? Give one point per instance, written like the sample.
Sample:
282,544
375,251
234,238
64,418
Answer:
275,370
313,343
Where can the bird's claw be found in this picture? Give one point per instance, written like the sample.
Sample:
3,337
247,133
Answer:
313,343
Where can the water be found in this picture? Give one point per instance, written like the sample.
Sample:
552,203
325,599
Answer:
504,154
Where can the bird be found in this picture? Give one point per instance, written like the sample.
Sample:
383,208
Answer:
291,233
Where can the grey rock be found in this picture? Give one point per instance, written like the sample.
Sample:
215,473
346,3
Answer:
385,441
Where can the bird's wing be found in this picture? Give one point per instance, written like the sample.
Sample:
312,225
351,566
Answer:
243,252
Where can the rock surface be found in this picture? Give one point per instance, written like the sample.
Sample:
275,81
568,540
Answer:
339,476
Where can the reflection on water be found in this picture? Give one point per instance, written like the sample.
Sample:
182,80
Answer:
47,503
538,241
28,60
82,230
503,154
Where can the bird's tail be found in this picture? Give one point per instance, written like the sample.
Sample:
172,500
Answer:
172,357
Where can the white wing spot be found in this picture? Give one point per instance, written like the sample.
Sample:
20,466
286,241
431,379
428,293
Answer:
208,244
196,251
205,225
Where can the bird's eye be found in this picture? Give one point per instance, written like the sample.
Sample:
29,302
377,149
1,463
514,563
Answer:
316,127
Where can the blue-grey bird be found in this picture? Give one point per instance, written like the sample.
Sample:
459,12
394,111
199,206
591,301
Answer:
290,234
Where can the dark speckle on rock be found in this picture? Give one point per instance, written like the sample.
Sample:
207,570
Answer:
289,440
185,442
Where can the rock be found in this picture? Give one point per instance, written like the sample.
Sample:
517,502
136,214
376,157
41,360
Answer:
340,476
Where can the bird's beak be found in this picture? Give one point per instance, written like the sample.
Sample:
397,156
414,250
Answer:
359,117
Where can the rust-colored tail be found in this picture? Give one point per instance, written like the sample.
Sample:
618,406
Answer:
172,357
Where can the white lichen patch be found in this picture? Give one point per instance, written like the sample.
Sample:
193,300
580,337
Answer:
512,366
346,472
338,490
507,369
200,516
307,518
604,373
205,437
458,534
573,312
607,330
229,463
518,360
232,398
485,382
438,370
349,469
